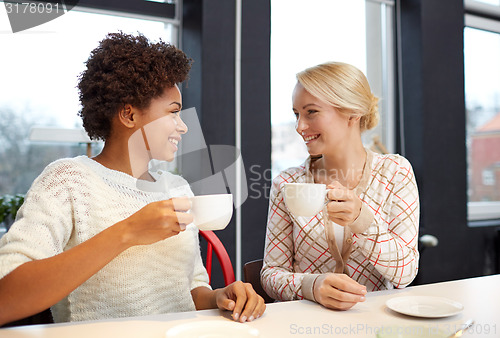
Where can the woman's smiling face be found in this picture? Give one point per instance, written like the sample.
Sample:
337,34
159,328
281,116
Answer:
321,126
163,125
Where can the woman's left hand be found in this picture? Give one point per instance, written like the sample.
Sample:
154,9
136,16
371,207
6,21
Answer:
241,298
344,205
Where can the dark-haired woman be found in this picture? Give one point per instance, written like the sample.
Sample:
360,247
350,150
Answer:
102,238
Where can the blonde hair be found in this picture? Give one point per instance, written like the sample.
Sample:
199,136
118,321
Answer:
344,87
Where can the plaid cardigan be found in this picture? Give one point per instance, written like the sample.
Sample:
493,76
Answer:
379,249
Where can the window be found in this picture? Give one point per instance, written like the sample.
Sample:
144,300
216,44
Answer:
39,70
359,32
482,95
488,177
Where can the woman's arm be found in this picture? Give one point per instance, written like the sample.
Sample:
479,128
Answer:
336,291
37,285
390,242
278,278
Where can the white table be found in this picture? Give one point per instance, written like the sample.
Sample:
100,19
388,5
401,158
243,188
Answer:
480,297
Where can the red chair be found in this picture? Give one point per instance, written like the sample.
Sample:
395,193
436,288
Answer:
214,244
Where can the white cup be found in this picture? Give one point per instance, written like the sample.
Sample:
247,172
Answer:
212,212
305,199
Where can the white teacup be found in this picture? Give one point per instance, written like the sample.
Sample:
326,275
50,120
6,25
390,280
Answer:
212,212
305,199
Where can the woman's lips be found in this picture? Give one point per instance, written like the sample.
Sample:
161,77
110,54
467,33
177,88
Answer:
174,142
309,138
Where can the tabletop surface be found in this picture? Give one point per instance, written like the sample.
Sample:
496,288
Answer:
480,297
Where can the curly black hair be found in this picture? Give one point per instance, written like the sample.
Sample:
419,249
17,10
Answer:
126,69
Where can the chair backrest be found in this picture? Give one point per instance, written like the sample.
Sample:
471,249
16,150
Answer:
44,317
251,274
214,244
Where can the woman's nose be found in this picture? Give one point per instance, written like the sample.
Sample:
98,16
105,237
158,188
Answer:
300,125
181,126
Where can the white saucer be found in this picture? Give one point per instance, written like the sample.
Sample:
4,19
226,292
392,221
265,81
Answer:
425,306
212,329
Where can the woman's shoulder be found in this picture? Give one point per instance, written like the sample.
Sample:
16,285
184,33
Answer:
65,166
291,175
58,174
392,167
390,162
65,170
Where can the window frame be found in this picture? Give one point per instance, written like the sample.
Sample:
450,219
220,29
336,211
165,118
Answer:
478,8
388,62
484,17
137,8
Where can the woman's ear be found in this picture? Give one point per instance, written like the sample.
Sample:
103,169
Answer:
353,119
126,116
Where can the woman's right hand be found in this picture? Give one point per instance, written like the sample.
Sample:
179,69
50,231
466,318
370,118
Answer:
338,291
156,221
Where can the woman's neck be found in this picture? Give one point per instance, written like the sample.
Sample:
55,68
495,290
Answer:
345,166
117,156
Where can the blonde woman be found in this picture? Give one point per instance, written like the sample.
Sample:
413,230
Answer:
365,239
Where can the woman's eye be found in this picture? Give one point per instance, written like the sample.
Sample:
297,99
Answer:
296,115
311,111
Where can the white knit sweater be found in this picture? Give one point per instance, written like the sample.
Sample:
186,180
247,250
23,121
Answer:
73,200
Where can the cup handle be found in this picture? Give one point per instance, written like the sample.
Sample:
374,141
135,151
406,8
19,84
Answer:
326,193
327,200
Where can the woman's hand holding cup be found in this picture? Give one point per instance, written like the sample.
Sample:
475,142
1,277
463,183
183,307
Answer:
344,206
307,199
157,221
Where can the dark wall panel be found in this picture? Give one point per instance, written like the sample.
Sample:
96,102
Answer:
209,38
256,123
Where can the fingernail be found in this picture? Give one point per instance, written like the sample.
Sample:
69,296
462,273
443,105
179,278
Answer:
243,319
251,318
236,316
362,299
